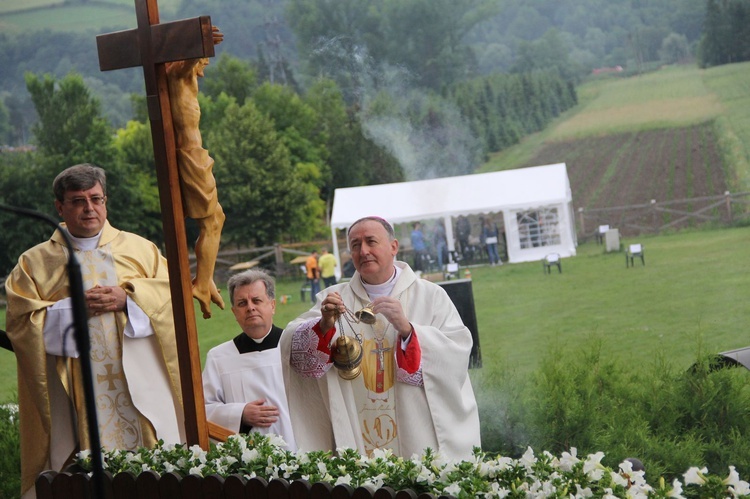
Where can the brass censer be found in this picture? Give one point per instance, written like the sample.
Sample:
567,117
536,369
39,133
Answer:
346,352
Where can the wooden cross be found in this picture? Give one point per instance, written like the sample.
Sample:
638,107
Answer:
151,45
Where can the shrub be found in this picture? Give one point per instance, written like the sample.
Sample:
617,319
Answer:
10,453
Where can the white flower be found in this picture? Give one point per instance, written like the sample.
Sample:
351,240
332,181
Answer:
374,483
196,470
169,467
618,479
447,469
425,476
568,460
608,494
198,453
239,439
249,455
288,469
453,489
528,459
694,476
592,466
581,492
737,487
346,479
676,491
322,467
441,461
498,491
276,440
84,454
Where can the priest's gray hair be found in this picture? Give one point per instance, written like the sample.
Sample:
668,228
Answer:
78,178
382,221
249,277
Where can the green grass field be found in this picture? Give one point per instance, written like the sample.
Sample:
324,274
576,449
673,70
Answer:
673,97
691,293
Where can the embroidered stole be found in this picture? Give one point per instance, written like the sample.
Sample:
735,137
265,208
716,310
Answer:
374,389
120,423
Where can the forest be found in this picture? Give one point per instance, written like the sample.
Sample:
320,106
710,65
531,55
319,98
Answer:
318,95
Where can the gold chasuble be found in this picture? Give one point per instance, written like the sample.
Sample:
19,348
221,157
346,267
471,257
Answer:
136,380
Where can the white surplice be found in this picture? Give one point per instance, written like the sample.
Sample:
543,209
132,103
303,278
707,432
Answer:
232,379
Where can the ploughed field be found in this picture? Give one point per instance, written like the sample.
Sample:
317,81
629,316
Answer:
634,168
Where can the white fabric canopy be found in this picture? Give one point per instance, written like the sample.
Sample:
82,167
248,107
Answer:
515,193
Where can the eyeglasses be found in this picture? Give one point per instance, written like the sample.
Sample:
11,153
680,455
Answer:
83,202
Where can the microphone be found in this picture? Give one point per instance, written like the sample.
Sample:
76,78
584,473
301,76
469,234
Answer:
81,328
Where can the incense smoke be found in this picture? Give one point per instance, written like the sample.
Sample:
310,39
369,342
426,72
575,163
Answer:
424,132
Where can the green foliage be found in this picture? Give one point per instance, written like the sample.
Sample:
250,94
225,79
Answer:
10,452
23,177
70,129
674,49
296,123
726,36
547,53
729,83
262,193
229,75
5,126
669,419
422,36
504,108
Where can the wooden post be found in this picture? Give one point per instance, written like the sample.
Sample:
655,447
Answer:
583,224
151,45
728,201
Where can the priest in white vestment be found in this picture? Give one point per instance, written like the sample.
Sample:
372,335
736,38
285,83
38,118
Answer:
243,385
414,390
133,352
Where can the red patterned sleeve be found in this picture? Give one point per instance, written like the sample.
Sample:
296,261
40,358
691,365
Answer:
409,361
311,356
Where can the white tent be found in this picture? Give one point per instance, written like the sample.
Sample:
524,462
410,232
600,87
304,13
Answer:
535,202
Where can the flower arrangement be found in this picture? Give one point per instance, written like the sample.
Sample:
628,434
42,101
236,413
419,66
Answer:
545,475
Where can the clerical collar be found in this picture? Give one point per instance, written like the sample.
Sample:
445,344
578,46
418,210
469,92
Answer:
378,290
85,243
260,340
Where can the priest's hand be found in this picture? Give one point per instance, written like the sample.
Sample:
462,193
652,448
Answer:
257,414
103,299
394,313
330,310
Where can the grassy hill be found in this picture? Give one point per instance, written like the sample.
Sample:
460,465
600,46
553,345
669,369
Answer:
59,15
622,111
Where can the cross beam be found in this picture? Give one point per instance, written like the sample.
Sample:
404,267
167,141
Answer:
151,45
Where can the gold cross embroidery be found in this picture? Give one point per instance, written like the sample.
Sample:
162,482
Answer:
110,377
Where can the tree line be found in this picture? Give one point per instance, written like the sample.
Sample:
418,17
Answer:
279,154
726,34
374,92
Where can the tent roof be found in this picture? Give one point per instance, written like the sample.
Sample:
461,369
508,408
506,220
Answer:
479,193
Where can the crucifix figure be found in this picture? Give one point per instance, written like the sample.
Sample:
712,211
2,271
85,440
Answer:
153,46
197,182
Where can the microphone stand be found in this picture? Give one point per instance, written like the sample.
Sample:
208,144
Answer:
81,328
